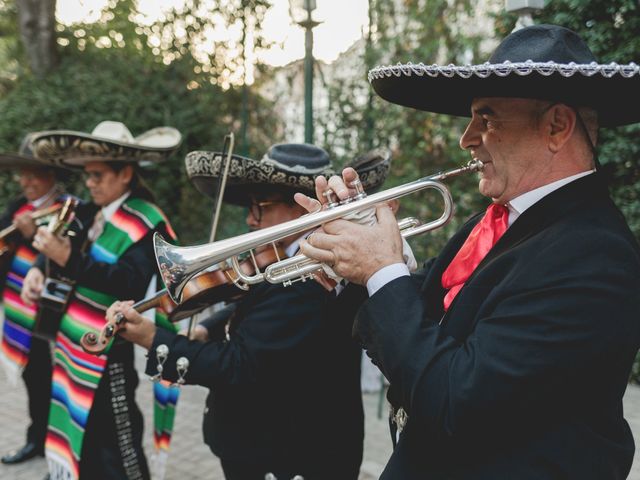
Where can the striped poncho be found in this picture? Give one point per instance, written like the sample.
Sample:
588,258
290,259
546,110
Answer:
19,318
77,374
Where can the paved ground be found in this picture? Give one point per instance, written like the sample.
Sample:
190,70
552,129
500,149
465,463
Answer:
191,459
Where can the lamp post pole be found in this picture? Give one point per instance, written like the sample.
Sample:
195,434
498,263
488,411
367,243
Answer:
308,23
524,9
308,78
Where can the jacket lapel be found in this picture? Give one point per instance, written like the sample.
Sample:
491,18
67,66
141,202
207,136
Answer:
559,203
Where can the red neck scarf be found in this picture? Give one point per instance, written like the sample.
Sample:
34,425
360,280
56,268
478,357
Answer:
481,239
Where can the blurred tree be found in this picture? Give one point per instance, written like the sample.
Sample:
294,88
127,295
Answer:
11,52
111,69
422,143
36,19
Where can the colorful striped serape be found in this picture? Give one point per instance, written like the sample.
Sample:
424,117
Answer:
77,375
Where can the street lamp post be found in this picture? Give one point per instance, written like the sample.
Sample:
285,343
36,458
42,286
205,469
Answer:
301,14
524,8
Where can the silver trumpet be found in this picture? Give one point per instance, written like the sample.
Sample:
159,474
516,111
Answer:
179,264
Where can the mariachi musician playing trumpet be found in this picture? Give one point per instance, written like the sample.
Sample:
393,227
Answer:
509,354
283,370
20,351
95,425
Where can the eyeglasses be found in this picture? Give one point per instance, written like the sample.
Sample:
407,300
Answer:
256,209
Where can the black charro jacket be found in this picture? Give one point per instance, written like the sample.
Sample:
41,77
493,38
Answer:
524,375
285,386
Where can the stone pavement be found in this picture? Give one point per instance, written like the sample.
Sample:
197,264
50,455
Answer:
191,459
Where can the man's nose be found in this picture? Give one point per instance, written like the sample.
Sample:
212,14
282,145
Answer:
251,220
471,136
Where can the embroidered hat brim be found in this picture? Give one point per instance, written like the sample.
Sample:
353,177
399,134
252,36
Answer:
247,176
280,171
23,158
74,149
373,168
543,62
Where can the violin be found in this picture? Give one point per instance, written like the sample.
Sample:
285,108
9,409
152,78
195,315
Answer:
203,290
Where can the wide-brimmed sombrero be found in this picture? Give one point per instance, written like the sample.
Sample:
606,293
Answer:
545,62
285,169
109,142
23,158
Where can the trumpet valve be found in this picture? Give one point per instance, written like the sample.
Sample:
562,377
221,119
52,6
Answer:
359,195
357,186
330,196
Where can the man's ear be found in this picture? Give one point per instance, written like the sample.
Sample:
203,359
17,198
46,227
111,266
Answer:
126,174
562,123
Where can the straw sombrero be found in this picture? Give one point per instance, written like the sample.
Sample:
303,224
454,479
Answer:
109,142
23,158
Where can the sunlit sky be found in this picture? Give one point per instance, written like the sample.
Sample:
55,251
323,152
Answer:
342,25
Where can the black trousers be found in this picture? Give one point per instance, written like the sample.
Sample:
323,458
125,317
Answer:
112,445
234,470
242,470
37,379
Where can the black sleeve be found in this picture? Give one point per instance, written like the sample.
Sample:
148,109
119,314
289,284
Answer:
215,324
524,357
127,279
276,333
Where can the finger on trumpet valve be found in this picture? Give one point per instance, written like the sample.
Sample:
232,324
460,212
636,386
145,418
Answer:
330,195
357,186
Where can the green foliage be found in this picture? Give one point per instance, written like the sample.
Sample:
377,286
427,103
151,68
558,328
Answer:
10,47
422,143
126,81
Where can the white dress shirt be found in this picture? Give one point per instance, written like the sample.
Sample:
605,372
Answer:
109,210
516,207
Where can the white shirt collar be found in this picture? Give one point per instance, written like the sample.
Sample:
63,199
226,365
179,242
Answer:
38,202
109,210
518,205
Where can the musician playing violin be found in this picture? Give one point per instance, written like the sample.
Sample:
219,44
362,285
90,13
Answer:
283,370
95,425
22,352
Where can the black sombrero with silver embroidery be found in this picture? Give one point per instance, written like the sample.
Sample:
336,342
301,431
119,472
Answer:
545,62
286,169
109,142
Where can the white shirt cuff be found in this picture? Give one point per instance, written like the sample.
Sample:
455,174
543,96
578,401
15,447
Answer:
385,275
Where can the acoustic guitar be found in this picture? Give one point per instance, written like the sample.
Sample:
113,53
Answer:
57,289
